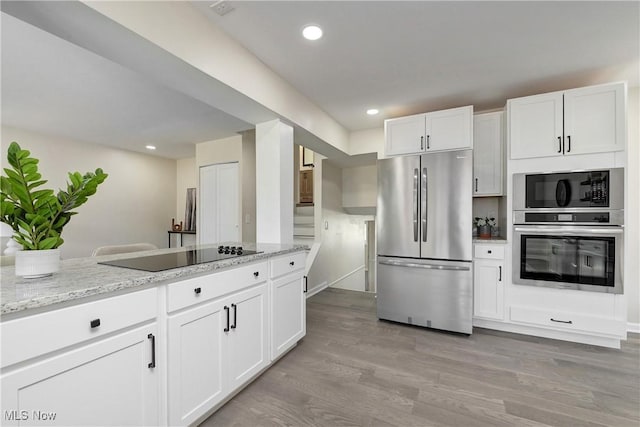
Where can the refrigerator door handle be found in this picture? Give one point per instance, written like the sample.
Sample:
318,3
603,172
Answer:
415,205
426,266
424,206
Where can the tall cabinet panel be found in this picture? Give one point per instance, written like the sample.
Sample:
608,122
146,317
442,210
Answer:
487,154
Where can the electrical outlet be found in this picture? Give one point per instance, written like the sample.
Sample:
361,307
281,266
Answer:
222,7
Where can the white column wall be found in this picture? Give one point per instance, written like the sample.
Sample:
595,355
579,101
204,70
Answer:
274,182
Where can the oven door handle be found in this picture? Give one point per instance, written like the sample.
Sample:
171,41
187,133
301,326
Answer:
570,230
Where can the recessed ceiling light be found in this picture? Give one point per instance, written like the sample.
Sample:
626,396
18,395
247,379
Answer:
150,147
312,32
372,111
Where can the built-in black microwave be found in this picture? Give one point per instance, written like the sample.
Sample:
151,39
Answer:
576,190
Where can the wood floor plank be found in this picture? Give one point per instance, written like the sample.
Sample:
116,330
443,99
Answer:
355,370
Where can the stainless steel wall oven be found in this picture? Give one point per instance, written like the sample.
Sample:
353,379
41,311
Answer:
568,230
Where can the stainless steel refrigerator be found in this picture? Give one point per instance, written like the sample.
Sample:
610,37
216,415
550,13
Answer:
424,240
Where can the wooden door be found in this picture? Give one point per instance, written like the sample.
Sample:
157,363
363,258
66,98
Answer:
404,135
449,129
306,186
535,126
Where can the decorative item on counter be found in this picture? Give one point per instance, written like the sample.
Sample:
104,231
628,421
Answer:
484,226
174,226
37,216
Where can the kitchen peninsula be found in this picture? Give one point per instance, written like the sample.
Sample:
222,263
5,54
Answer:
99,344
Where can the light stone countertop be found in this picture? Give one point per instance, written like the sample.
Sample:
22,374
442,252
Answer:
498,240
84,277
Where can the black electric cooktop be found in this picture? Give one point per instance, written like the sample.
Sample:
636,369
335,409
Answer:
185,258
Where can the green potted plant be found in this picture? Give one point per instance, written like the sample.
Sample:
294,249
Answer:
484,226
37,216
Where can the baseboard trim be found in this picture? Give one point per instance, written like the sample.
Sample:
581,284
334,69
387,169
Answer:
339,279
312,292
633,327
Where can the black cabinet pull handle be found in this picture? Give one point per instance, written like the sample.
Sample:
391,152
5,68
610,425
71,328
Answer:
235,316
292,263
489,251
476,185
428,142
561,321
559,144
95,323
256,273
197,291
500,276
422,142
227,310
306,284
568,143
153,351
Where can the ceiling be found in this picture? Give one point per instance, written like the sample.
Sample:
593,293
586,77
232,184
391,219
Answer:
399,57
406,57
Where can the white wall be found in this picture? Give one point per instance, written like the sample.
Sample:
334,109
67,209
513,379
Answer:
186,177
341,260
249,186
360,188
134,204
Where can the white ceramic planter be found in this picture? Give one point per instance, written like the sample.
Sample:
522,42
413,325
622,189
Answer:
34,264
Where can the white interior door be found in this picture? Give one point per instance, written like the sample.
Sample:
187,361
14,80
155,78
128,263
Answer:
219,203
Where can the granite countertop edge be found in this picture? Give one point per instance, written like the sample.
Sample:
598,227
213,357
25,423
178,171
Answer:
24,294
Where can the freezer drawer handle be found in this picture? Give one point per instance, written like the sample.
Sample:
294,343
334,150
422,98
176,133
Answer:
426,266
561,321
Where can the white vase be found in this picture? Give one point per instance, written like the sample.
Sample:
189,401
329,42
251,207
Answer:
35,264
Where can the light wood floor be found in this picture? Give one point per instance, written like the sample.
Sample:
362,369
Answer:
352,369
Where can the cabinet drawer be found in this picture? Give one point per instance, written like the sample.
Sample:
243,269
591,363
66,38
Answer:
486,251
194,291
287,264
567,321
39,334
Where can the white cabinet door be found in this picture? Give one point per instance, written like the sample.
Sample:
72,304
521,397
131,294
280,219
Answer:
488,289
535,126
449,129
248,349
487,154
107,382
288,313
196,345
594,119
404,135
219,216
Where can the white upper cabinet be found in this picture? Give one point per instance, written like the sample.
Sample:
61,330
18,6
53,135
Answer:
535,125
449,129
577,121
594,119
404,135
436,131
487,154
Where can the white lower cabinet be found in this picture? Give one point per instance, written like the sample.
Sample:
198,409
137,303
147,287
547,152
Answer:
288,302
109,382
213,349
288,313
488,281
